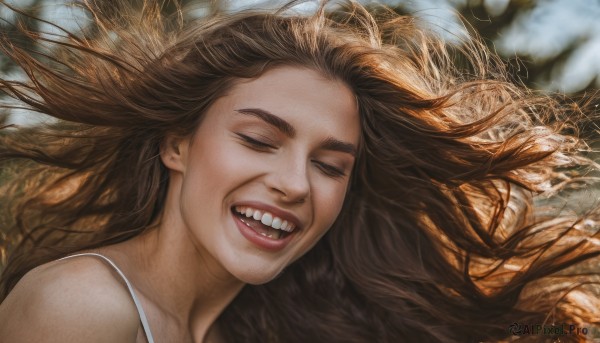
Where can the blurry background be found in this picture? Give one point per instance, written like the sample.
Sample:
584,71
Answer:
551,45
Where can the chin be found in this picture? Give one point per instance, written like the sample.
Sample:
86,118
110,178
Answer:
256,275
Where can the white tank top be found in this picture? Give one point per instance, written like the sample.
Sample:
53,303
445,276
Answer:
138,305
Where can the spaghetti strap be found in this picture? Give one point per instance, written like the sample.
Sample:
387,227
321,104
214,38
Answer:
138,305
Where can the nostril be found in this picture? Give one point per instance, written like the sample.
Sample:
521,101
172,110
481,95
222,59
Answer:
290,181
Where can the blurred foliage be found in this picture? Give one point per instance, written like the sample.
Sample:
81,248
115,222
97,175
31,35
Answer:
474,13
527,69
10,31
489,29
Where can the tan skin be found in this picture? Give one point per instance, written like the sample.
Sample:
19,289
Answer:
189,267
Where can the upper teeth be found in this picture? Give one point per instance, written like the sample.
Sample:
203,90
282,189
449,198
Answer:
266,218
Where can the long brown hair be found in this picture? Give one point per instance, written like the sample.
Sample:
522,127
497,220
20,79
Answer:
444,235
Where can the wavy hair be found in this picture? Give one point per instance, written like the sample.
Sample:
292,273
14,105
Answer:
446,233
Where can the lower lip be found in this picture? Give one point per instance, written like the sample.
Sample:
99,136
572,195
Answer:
259,240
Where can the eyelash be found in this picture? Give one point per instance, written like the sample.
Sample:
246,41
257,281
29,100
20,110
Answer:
330,170
262,146
255,143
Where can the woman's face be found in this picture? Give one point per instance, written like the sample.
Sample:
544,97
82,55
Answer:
266,173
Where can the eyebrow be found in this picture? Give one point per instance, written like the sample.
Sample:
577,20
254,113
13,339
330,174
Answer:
336,145
329,143
271,119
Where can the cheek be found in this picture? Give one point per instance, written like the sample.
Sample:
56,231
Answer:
214,166
328,204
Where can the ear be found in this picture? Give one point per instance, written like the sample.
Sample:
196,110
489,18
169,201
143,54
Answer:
173,152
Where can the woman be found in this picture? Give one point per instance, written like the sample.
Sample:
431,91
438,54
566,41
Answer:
271,177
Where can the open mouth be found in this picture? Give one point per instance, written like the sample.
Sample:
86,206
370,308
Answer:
263,223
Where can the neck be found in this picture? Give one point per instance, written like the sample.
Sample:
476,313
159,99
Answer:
181,279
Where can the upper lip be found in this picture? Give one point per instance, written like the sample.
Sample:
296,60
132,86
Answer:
284,215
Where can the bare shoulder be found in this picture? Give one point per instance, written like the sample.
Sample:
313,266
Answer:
75,300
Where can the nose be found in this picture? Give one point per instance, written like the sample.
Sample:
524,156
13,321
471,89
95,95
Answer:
290,181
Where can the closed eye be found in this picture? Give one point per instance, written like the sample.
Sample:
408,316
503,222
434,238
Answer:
330,170
327,169
255,143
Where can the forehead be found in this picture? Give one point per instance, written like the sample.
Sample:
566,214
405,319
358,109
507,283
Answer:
302,96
